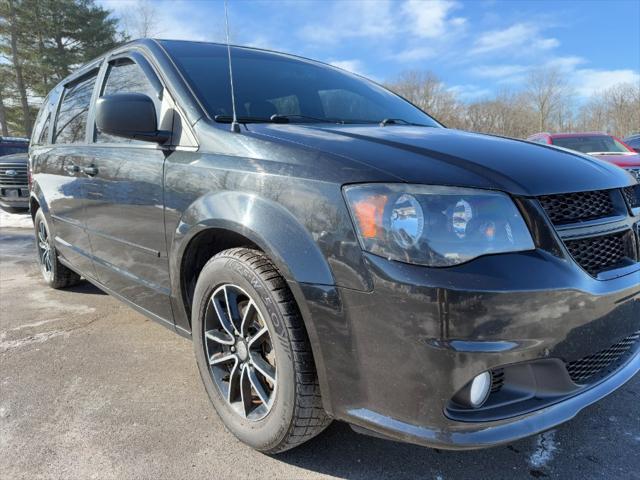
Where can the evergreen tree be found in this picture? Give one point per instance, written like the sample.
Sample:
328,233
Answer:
45,40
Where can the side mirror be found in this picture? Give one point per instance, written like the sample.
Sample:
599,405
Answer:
129,115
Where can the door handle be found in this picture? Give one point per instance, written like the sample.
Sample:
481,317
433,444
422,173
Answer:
72,168
91,171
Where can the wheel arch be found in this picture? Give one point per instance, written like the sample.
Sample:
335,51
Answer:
37,201
232,219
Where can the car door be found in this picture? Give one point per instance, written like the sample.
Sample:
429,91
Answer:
124,208
62,172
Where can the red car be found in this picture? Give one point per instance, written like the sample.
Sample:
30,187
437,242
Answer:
601,145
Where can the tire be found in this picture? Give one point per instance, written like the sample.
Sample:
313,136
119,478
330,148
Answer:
55,273
293,412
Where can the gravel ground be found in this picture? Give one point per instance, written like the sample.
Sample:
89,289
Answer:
91,389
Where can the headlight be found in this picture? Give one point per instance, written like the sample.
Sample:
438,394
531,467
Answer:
433,225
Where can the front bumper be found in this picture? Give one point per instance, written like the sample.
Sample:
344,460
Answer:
17,203
21,201
390,360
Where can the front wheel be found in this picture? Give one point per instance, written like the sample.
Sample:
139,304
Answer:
253,352
55,273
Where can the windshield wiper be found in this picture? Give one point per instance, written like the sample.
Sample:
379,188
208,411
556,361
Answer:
276,118
281,118
395,121
229,119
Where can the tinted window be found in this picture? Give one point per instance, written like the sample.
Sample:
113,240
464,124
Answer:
44,133
71,122
41,126
633,142
269,83
125,76
591,144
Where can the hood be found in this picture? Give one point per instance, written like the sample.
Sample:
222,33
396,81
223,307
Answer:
440,156
15,158
624,161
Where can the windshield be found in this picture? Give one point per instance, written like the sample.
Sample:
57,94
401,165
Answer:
591,144
268,84
9,149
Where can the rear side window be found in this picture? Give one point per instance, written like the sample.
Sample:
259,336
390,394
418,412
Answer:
71,122
125,76
41,126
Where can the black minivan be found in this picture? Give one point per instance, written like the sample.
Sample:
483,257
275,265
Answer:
336,253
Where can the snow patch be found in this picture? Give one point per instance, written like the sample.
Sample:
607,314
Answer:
545,449
6,345
15,220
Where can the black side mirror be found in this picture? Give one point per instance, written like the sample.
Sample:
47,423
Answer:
129,115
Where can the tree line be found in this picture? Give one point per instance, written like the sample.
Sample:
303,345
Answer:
42,41
546,103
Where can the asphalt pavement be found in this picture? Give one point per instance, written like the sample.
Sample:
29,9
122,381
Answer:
91,389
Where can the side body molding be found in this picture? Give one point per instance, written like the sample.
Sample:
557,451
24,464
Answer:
267,224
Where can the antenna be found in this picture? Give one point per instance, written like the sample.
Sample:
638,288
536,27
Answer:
235,126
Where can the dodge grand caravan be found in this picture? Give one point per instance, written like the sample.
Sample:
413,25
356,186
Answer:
335,253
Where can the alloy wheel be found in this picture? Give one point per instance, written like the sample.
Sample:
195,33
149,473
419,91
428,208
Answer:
44,250
240,352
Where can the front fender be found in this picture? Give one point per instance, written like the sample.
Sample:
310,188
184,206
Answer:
37,195
266,223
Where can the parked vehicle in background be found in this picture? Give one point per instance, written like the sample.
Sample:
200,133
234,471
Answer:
600,145
633,141
337,253
9,145
14,187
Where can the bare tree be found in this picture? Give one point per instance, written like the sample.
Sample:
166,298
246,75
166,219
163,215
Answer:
507,114
142,21
615,110
623,107
548,93
425,90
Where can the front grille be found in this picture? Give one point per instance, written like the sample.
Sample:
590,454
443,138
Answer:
497,379
588,368
578,207
597,254
632,196
20,179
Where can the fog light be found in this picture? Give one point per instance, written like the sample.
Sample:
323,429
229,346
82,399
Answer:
475,393
479,390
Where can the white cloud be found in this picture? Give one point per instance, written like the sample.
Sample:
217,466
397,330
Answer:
354,66
589,81
510,40
469,92
430,19
415,54
351,20
498,71
564,64
169,23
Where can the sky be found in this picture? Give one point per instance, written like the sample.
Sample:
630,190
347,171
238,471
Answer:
477,47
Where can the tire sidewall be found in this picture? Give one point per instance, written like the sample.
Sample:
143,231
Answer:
267,433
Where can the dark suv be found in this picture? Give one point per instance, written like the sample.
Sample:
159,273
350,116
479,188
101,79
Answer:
14,188
336,252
